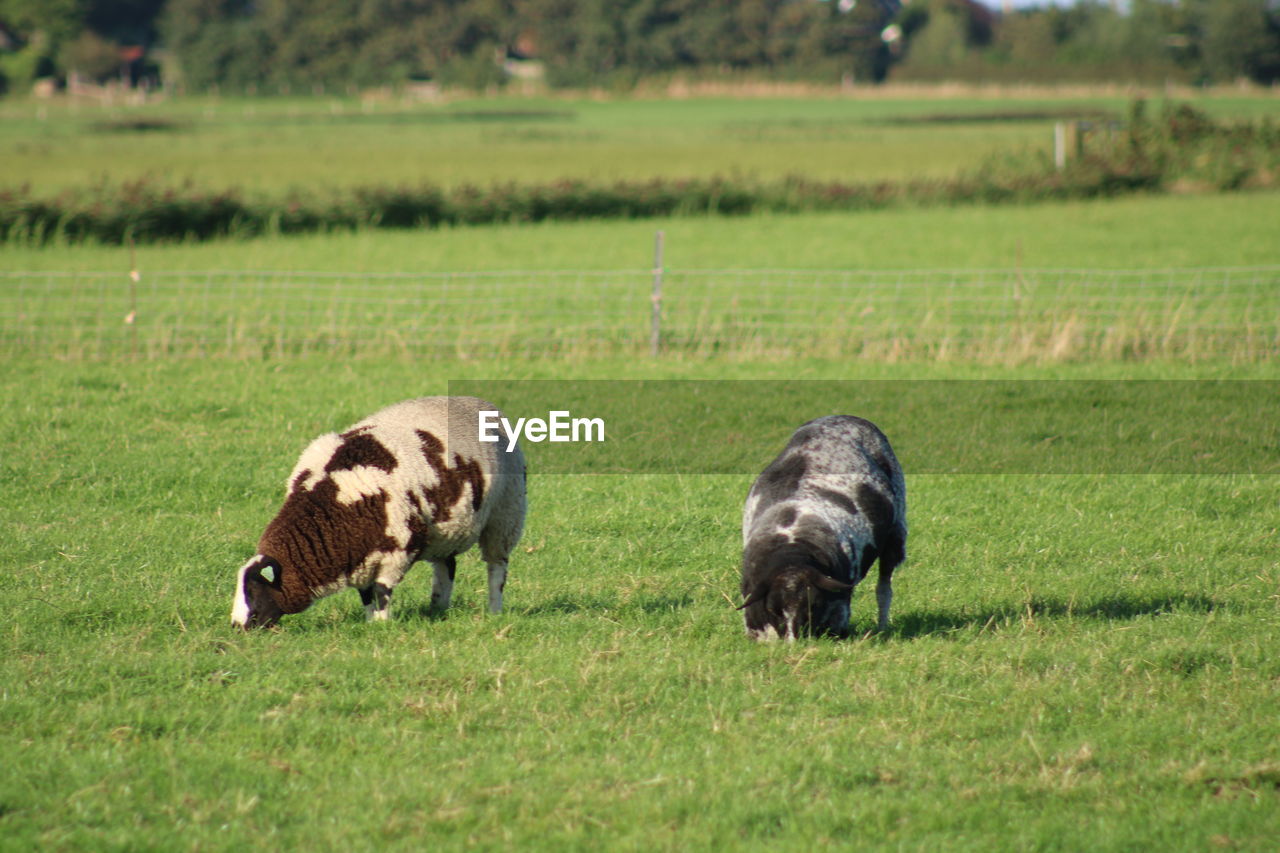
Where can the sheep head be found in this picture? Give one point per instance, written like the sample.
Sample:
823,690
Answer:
259,600
797,600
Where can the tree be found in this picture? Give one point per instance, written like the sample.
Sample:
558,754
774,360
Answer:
127,22
214,43
1240,39
939,44
57,21
580,41
1025,40
91,56
43,28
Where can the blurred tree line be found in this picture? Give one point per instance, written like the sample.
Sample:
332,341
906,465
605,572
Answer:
307,45
1191,41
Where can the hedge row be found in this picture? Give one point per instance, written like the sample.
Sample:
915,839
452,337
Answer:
1183,146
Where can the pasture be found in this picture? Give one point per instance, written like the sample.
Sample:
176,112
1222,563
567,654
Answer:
277,144
1192,279
1079,660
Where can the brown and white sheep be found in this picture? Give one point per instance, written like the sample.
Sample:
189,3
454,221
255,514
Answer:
410,482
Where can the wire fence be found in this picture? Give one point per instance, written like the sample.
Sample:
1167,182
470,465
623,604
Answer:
1002,315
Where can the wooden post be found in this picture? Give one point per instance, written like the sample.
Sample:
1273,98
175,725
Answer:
1060,145
131,319
655,320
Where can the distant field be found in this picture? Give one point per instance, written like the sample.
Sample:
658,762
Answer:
273,145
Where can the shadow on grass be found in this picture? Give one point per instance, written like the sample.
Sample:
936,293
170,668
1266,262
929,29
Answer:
561,604
906,625
1115,609
423,612
600,603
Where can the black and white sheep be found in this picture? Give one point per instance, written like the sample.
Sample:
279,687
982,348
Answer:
815,520
411,482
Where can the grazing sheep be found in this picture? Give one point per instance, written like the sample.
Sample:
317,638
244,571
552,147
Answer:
410,482
815,520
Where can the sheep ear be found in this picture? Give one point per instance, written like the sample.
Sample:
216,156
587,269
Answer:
757,594
827,583
268,571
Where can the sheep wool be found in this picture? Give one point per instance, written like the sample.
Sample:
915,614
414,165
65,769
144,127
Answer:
411,482
831,504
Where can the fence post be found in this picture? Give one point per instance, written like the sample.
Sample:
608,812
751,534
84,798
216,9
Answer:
131,319
655,320
1059,145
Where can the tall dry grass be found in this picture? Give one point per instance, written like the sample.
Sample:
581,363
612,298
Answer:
993,316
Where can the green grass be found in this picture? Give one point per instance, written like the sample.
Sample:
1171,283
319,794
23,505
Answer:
1144,232
984,284
274,145
1078,662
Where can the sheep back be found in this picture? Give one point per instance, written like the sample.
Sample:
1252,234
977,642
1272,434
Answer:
409,482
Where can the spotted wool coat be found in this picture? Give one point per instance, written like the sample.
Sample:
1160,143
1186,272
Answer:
832,503
411,482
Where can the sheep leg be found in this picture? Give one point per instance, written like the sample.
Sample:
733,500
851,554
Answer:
884,597
497,583
497,541
376,599
442,582
892,557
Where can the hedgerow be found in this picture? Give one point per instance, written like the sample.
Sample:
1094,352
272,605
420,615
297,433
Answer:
1180,150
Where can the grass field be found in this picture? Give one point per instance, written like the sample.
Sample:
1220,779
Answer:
1128,279
1079,661
1151,232
274,145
